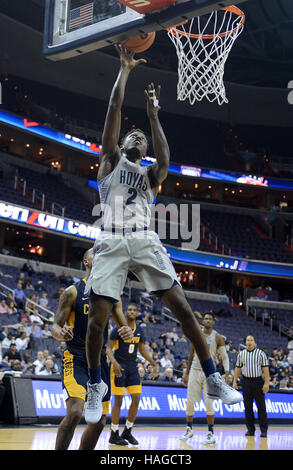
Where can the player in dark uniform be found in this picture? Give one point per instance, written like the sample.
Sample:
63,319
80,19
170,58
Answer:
70,324
124,374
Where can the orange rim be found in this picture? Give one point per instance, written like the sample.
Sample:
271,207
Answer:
232,9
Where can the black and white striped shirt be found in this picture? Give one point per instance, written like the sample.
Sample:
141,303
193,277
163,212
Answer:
252,362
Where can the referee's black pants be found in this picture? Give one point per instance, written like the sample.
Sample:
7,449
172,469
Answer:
252,390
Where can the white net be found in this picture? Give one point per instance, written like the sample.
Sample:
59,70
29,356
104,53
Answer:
202,48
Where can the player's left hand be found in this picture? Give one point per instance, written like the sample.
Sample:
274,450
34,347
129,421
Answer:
126,333
152,96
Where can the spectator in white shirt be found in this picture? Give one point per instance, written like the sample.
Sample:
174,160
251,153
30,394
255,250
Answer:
46,332
48,370
35,317
165,361
44,300
22,342
39,362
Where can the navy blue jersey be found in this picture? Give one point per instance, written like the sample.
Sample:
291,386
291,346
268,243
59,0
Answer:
127,350
78,318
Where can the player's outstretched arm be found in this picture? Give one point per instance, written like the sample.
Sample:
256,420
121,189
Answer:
147,356
159,170
60,330
110,149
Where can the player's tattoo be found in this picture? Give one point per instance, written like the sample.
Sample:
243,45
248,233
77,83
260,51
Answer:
65,303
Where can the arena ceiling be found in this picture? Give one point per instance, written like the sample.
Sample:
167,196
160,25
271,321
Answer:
262,56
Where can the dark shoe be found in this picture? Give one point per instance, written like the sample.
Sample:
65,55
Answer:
249,433
263,434
126,434
117,440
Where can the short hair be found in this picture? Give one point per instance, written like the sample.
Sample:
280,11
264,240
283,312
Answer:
131,132
87,253
132,304
210,313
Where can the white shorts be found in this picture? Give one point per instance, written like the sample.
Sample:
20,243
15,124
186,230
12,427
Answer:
141,253
196,384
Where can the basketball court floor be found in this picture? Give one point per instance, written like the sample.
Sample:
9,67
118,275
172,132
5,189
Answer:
230,437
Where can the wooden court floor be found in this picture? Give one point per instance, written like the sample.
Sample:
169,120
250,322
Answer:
228,437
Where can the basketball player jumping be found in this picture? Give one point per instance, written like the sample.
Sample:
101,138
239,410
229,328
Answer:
70,325
195,379
127,190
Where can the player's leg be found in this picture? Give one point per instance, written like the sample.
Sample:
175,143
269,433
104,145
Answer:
92,432
74,410
118,389
115,439
132,413
91,435
176,301
210,438
99,311
193,395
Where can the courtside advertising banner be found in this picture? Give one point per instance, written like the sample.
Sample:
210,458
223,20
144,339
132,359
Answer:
159,402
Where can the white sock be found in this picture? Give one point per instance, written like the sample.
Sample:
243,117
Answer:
114,427
129,424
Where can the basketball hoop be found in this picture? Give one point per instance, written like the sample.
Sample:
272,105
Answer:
202,54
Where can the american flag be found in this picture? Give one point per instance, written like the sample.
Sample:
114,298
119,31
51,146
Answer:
81,15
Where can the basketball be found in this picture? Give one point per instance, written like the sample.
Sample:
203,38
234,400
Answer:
139,43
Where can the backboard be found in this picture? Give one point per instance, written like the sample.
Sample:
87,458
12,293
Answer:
74,27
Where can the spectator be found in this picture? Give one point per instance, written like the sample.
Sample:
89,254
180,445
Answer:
149,370
142,373
4,307
48,368
22,280
12,353
165,361
35,317
283,384
27,365
29,285
22,342
39,362
169,375
44,300
19,295
274,382
36,330
60,350
274,369
173,335
12,308
39,287
16,365
167,340
182,339
27,268
46,332
290,352
7,340
36,267
63,279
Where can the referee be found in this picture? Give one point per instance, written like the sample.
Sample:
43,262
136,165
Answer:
253,363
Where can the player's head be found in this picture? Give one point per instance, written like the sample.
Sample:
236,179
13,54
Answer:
135,144
208,319
131,312
88,259
250,342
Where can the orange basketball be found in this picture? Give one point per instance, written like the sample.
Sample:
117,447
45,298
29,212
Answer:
139,43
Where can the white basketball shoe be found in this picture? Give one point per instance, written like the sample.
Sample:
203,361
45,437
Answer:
217,388
93,405
187,435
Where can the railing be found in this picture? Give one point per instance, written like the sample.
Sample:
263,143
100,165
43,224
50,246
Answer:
212,239
44,313
57,209
38,198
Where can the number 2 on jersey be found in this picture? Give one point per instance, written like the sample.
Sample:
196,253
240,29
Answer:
131,198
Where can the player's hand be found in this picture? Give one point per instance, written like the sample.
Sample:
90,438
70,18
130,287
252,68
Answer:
185,379
155,372
126,333
127,59
152,96
65,333
117,369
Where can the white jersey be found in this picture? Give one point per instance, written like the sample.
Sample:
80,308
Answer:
126,196
212,344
